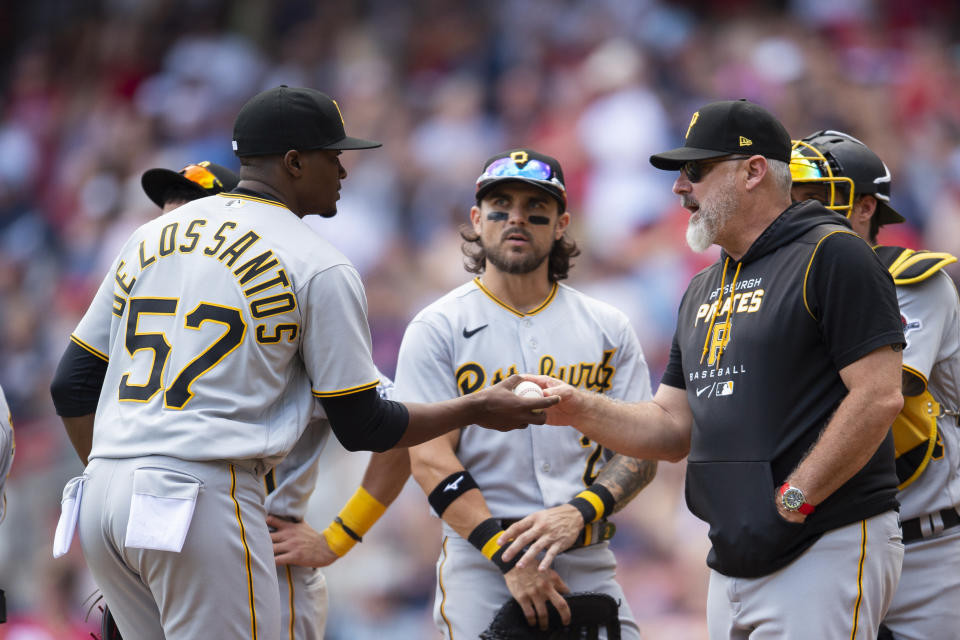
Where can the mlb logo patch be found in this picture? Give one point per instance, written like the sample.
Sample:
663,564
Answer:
909,325
725,388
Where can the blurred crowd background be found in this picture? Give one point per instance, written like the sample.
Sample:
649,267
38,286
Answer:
93,93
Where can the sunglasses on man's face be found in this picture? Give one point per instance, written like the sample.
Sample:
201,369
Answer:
695,169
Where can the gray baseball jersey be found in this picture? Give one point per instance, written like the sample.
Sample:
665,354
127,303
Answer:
927,601
215,320
289,485
7,447
221,322
931,316
468,340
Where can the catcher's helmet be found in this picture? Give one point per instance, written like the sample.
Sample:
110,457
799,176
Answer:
843,163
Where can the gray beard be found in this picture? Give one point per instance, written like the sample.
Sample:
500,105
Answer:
703,228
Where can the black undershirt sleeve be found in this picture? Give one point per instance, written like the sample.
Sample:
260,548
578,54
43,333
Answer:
364,421
77,382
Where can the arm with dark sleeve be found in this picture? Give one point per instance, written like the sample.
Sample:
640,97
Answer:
76,390
336,350
852,297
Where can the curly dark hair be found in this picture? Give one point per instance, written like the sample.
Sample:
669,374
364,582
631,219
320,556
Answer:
475,256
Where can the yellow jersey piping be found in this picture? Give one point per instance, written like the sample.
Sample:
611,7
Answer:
86,347
810,264
246,554
863,555
443,592
253,199
540,307
293,610
345,392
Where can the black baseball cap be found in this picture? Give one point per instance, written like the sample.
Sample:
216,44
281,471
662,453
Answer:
284,118
725,128
524,165
202,179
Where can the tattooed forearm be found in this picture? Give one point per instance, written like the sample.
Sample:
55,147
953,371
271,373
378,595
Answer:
625,477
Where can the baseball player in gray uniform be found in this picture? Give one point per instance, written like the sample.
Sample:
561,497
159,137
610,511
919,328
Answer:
289,485
203,354
299,550
845,174
516,317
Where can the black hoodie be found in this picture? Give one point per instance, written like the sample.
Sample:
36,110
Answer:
761,369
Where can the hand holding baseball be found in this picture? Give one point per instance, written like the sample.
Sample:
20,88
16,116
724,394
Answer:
528,389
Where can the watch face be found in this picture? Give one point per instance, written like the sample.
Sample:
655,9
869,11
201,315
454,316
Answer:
793,498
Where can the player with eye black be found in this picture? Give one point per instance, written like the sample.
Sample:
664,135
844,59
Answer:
202,358
516,317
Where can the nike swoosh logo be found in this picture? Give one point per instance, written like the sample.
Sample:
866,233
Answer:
700,391
456,483
469,334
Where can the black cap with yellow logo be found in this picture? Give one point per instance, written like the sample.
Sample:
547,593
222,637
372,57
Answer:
725,128
524,165
285,118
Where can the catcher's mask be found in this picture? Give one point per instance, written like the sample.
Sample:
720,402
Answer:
848,168
808,165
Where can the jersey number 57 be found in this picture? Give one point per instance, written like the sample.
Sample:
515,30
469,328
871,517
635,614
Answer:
178,393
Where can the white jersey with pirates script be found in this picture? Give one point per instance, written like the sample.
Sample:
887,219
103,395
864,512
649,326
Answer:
222,322
468,340
7,447
931,315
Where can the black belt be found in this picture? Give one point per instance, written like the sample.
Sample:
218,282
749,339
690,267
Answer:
912,531
591,534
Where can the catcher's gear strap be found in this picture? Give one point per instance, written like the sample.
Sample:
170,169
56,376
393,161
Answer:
357,516
449,489
484,537
914,436
913,530
909,267
593,503
589,612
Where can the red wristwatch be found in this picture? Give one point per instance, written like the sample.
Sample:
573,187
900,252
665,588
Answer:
793,499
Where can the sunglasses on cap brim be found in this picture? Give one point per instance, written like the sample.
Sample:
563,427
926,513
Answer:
202,176
531,170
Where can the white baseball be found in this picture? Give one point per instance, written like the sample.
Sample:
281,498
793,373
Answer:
527,389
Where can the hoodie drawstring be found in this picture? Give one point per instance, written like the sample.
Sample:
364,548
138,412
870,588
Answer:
716,312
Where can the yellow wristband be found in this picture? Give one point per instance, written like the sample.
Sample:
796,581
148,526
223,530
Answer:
338,539
361,511
357,516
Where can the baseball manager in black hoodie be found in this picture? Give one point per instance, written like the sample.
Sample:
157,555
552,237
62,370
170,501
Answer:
783,381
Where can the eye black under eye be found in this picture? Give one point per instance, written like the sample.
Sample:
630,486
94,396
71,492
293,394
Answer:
497,216
535,219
